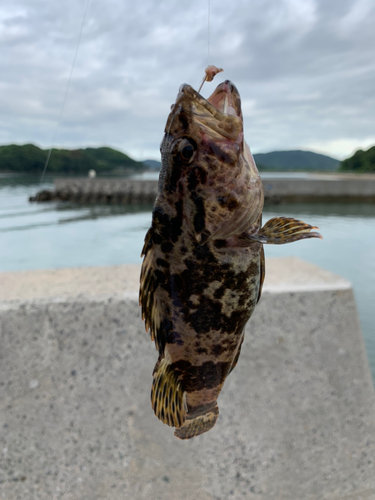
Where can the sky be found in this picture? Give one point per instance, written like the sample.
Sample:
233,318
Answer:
305,70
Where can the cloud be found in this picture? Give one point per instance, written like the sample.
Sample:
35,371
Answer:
305,70
341,148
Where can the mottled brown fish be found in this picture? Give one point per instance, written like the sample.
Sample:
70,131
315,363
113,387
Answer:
203,266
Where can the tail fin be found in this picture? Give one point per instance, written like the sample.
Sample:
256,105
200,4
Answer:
198,425
167,397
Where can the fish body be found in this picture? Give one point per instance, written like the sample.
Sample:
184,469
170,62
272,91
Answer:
203,264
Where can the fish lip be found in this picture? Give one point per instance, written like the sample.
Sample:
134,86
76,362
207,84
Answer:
225,93
210,117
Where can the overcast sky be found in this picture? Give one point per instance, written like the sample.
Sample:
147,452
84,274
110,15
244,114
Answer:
305,70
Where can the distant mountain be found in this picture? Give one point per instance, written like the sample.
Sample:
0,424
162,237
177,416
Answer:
31,159
295,160
283,160
361,161
152,164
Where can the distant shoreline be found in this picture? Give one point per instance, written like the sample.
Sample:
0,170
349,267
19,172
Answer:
103,175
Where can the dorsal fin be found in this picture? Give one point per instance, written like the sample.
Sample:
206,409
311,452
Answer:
152,311
167,396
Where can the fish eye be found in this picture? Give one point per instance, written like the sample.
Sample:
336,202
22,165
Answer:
187,148
187,152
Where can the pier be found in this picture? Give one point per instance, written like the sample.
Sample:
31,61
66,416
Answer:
297,415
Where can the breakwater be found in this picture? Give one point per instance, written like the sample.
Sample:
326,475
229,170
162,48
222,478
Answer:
315,188
297,416
100,190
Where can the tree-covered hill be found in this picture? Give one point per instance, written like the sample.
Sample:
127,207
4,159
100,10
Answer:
283,161
361,161
295,160
152,164
31,159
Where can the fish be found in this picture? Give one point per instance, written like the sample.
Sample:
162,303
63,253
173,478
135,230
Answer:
203,258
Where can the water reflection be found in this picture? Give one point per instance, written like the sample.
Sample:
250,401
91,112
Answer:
92,212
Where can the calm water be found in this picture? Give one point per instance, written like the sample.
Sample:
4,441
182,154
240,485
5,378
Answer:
66,235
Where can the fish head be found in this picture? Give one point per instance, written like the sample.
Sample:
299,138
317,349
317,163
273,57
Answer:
205,124
206,161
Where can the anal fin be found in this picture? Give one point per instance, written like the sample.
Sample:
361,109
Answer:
280,230
236,357
198,425
167,395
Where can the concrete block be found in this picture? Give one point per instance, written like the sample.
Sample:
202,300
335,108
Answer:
297,415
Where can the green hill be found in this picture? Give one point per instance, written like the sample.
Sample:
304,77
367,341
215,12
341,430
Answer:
295,160
283,160
361,161
152,164
31,159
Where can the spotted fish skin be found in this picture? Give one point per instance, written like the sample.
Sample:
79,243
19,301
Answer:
203,264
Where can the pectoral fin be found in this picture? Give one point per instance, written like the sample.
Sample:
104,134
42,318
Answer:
280,230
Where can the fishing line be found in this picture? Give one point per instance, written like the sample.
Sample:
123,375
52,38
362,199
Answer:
208,32
208,41
65,96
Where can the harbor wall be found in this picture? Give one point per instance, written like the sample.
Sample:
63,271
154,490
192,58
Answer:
315,188
297,415
321,188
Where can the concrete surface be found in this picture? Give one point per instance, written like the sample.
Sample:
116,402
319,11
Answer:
315,188
297,417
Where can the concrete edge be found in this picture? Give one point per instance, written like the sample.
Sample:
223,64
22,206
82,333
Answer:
133,295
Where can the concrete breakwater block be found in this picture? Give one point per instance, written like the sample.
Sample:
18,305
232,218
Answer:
100,190
297,415
321,188
315,188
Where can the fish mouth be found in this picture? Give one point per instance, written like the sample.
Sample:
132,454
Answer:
220,114
226,99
